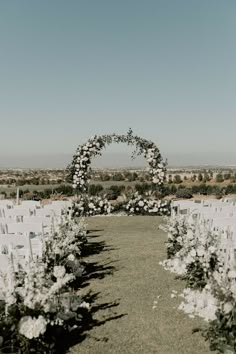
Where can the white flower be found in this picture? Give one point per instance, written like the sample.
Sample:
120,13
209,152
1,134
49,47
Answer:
91,206
71,257
85,305
211,249
200,252
32,327
232,274
155,180
59,271
233,288
227,307
141,203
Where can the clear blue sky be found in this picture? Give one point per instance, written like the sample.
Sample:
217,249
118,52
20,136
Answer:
74,68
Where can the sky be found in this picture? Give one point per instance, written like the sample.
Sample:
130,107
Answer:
71,69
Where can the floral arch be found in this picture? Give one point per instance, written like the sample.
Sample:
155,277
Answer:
80,166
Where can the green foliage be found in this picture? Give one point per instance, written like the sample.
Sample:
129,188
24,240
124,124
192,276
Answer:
177,230
200,177
142,188
221,332
184,193
197,276
219,178
177,179
114,191
118,177
95,189
172,248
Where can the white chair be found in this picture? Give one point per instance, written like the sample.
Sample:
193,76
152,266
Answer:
30,204
46,221
16,228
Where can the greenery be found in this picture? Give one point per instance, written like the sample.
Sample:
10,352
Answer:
184,193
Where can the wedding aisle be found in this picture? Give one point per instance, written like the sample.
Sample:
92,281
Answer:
133,308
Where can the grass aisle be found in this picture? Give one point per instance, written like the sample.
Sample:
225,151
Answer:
125,279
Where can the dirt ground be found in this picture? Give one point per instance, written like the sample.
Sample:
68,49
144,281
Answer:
132,306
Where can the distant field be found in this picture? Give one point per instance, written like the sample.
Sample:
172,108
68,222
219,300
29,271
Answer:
40,187
107,184
30,187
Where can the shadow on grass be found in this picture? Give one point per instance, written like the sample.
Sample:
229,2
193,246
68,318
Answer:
86,319
95,247
87,322
95,230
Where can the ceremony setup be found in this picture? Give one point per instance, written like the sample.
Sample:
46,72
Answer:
43,246
117,177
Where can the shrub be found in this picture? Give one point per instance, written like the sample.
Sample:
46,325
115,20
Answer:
142,188
184,193
95,189
219,178
114,191
177,179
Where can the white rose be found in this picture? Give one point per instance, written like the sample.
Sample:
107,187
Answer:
211,249
32,327
227,307
59,271
200,252
193,253
71,257
85,305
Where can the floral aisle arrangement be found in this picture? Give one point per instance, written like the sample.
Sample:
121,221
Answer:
221,330
40,303
64,248
90,206
138,205
80,166
194,252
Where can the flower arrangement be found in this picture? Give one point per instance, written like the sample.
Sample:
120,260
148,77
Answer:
40,301
64,246
80,166
90,206
139,205
221,330
194,252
